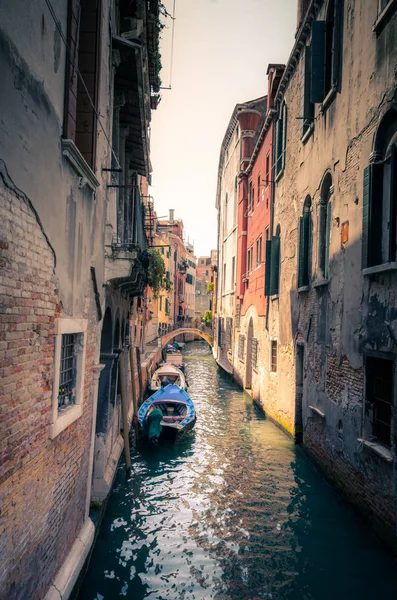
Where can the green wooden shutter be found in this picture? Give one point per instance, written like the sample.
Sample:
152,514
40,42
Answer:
309,245
284,138
318,62
301,252
307,107
372,216
268,266
393,203
337,43
275,266
367,201
327,239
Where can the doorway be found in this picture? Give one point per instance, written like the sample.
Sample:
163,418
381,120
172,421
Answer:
299,361
248,358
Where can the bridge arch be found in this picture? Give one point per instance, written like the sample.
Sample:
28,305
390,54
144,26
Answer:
165,339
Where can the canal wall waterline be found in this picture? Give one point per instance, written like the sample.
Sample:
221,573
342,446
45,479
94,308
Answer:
68,579
326,468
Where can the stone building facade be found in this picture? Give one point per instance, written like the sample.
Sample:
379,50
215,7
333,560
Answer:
327,340
67,137
332,317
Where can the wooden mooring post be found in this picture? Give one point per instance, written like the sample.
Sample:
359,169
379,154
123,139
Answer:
124,410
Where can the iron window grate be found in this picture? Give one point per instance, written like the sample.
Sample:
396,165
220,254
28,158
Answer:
67,373
274,356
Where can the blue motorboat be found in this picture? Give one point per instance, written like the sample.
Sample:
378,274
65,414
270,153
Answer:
168,413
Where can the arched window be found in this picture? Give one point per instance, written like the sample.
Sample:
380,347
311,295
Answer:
305,244
379,239
324,230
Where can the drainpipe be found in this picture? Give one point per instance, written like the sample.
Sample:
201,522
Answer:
96,373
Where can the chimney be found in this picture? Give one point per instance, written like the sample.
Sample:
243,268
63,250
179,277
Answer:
171,216
302,7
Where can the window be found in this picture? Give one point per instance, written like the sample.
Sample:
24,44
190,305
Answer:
281,138
272,272
305,244
273,356
225,218
189,278
69,367
325,227
379,239
233,271
379,397
238,316
307,106
161,302
162,250
202,261
84,43
167,306
259,251
326,52
249,260
267,182
241,346
259,187
206,272
250,198
254,353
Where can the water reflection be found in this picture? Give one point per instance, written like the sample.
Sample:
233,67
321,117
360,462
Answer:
232,511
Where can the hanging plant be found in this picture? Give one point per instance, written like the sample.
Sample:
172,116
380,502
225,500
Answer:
156,277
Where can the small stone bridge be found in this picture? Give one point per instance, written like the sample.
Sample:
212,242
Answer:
165,339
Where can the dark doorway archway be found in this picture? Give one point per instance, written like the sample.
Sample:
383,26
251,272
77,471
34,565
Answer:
106,336
248,358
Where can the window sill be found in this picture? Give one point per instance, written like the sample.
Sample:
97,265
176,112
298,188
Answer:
378,449
65,418
384,16
308,133
303,288
390,266
274,297
75,158
321,283
328,100
317,411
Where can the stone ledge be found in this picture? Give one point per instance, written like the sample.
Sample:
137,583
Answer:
76,159
378,449
389,266
317,411
65,579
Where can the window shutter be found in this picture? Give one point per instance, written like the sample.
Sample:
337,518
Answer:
301,245
308,245
372,219
268,266
337,42
327,239
71,79
307,107
318,62
284,138
275,266
393,202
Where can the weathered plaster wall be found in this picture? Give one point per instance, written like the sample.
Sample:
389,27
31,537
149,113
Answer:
337,321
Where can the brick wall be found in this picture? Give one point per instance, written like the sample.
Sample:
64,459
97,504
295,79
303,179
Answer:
43,483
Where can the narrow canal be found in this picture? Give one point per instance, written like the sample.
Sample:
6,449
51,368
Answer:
234,511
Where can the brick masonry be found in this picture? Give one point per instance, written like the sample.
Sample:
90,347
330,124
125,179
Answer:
43,482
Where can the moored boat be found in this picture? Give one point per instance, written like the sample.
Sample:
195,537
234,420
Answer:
168,413
165,374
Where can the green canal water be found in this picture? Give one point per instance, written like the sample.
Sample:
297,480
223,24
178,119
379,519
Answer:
233,511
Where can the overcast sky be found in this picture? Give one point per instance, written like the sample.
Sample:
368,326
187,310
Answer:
221,52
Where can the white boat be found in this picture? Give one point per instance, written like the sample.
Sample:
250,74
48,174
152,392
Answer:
165,375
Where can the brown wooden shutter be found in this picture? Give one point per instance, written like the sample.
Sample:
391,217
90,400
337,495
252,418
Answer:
69,125
89,46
